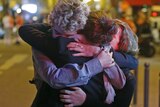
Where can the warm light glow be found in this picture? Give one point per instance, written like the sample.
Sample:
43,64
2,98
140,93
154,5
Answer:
144,10
32,8
98,7
154,14
86,1
96,0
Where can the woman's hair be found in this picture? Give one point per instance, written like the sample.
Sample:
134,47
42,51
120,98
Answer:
69,15
129,40
99,28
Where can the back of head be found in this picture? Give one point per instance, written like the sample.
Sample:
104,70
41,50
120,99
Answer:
99,28
69,15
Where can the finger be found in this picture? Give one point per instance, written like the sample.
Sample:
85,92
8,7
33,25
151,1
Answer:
68,105
77,39
72,45
112,59
107,52
66,92
78,49
66,100
75,88
111,53
112,64
62,91
78,54
75,45
62,96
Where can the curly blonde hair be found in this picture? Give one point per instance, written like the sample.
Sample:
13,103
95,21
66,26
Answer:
69,15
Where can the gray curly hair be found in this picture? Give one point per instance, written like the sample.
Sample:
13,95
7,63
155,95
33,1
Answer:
69,15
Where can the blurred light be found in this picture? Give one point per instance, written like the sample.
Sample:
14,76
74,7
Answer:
12,3
144,10
25,1
35,18
154,14
1,8
155,7
86,1
96,0
98,7
27,17
18,10
32,8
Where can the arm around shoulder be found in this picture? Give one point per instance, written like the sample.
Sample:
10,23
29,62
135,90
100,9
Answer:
68,75
125,60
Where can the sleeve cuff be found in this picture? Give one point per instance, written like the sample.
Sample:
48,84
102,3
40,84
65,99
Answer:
94,66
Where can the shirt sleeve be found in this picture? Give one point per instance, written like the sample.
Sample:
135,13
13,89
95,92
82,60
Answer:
67,76
116,76
36,35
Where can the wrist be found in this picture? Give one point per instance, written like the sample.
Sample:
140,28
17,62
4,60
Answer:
84,97
96,51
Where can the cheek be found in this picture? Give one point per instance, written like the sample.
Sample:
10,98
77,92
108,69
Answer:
114,42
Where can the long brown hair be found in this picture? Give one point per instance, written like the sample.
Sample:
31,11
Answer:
99,28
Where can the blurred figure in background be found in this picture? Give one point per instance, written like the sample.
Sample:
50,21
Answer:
144,32
8,23
125,8
19,21
156,33
142,24
130,22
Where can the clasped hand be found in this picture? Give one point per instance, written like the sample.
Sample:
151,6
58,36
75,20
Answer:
86,50
74,97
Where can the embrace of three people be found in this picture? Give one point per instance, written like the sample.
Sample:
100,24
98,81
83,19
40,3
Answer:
81,58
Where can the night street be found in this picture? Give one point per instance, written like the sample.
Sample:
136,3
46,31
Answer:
15,72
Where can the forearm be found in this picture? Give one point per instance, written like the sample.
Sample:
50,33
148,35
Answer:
116,76
35,35
67,76
32,30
